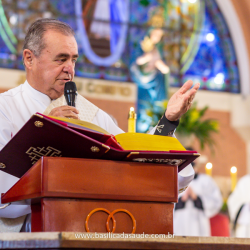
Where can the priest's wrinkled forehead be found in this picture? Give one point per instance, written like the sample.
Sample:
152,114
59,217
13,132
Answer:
34,39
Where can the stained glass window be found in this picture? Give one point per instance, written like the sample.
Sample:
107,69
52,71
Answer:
196,43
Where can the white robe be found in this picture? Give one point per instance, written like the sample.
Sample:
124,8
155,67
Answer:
16,107
191,221
239,197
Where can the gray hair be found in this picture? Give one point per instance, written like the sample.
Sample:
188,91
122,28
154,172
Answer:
34,38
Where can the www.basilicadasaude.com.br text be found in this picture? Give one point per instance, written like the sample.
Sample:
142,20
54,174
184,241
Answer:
122,236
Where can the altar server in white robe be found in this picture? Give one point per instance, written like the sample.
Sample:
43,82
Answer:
201,201
49,54
239,208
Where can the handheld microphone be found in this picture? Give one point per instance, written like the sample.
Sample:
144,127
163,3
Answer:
70,93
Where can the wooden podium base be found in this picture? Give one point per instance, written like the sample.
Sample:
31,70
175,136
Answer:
54,214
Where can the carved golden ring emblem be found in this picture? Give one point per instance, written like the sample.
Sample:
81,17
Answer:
2,165
38,124
111,216
95,149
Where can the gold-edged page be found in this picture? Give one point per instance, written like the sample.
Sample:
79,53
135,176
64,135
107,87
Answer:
147,142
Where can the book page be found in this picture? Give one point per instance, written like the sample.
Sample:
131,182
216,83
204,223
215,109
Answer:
147,142
81,124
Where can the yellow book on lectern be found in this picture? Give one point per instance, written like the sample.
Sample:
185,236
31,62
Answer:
132,141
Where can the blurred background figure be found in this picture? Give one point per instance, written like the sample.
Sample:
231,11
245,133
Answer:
239,208
201,201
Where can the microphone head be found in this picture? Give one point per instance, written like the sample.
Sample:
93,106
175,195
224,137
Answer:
70,87
70,93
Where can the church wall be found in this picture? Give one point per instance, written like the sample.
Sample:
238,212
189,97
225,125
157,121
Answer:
230,148
242,9
3,90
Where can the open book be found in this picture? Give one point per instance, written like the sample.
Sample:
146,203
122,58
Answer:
61,137
126,141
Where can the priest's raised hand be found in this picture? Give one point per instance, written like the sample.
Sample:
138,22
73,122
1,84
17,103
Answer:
181,101
178,105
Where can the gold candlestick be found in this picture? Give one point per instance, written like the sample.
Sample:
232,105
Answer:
132,121
209,167
233,173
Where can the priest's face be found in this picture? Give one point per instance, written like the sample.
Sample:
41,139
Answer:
55,65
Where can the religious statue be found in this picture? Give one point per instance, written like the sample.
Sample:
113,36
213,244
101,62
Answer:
149,71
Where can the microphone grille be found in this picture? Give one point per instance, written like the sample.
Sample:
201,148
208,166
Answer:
70,87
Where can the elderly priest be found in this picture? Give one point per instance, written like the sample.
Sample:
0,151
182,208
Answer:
49,55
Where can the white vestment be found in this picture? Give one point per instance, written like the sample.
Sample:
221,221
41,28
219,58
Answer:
193,221
16,107
240,198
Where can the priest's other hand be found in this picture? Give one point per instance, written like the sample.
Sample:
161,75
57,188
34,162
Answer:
181,101
192,194
189,193
185,195
65,111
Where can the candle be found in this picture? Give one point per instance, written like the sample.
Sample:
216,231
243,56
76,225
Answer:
209,167
233,172
131,120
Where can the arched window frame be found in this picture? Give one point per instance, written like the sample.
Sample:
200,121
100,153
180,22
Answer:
237,35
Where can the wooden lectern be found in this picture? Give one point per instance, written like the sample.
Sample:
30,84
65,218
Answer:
65,191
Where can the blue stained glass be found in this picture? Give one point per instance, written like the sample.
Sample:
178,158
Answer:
140,12
216,56
65,7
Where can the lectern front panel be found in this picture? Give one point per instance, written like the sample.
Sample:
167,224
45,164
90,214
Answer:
71,214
